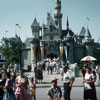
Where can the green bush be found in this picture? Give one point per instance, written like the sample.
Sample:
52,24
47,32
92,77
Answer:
81,63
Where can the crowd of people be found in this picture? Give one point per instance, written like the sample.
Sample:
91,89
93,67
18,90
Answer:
46,65
90,71
19,87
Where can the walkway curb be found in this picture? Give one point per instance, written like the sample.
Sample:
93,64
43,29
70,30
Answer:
62,86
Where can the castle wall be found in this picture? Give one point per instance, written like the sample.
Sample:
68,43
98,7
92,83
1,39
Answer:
78,53
26,57
46,37
89,50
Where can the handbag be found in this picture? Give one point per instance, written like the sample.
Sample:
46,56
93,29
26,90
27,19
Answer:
87,86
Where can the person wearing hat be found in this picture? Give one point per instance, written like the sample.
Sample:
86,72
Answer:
54,92
68,79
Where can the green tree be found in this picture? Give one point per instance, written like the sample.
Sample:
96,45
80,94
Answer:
11,49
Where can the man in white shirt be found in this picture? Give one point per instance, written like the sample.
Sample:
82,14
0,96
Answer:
68,79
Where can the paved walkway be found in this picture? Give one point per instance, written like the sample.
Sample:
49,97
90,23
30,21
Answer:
47,78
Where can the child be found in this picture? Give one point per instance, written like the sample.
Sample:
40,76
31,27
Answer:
32,88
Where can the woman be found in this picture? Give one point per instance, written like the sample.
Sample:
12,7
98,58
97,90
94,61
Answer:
40,74
89,87
22,91
9,93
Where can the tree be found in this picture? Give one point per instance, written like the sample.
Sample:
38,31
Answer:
11,49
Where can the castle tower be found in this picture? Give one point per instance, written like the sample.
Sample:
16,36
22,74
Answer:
35,41
88,42
58,15
35,29
87,34
69,50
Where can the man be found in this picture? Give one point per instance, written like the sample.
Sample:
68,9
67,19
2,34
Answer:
35,73
51,66
68,79
48,66
54,92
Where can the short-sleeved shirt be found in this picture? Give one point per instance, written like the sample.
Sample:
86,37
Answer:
87,76
20,80
32,85
54,92
68,76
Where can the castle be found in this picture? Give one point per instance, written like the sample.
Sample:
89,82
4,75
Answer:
50,40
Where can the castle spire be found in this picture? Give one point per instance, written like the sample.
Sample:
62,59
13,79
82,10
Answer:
35,23
58,15
35,29
67,23
87,34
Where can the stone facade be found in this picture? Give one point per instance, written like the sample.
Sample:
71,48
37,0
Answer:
50,40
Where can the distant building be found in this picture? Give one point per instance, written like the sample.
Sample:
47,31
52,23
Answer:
50,40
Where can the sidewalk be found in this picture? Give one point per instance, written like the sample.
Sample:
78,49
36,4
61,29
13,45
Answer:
47,78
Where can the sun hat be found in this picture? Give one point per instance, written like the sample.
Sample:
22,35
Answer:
53,79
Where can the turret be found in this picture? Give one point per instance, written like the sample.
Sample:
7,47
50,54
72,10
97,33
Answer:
87,37
87,34
48,17
88,43
35,29
58,14
69,46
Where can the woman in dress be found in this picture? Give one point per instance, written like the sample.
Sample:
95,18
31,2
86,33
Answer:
9,93
22,91
40,74
89,87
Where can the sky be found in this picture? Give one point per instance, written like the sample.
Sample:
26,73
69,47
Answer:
23,13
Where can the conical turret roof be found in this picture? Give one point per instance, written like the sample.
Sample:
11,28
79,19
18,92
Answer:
87,34
50,21
82,32
35,23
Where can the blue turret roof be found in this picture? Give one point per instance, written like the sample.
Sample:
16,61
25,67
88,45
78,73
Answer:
50,21
87,34
35,23
83,31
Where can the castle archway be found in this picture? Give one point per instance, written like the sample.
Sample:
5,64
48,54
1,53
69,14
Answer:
52,55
